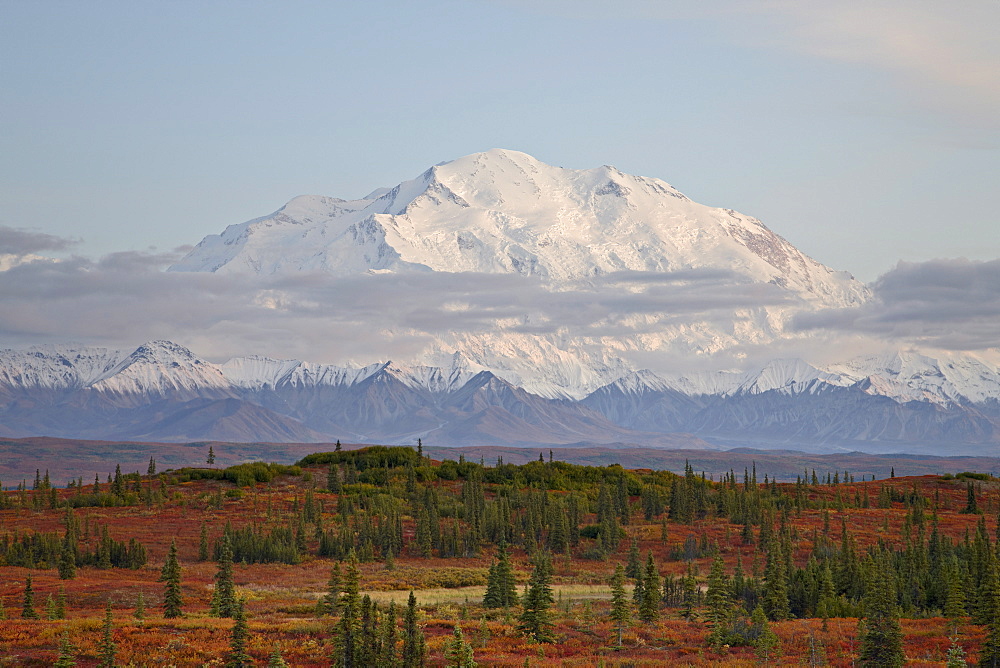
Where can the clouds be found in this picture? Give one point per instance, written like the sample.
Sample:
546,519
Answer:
126,298
19,241
953,304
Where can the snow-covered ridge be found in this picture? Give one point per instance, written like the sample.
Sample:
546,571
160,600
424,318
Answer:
503,211
902,376
57,367
162,367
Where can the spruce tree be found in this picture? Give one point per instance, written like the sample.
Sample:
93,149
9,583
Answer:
349,626
140,608
107,649
649,607
388,636
882,636
989,653
224,595
766,643
827,603
535,620
66,565
413,637
275,660
775,599
171,577
238,656
211,456
954,604
61,603
458,653
368,638
28,607
971,503
67,652
719,600
620,611
329,604
956,655
501,584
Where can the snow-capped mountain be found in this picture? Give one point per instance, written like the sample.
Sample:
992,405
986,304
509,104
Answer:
504,211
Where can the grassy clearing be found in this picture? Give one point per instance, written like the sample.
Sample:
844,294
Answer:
568,592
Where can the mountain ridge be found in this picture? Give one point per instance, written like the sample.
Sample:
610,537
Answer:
177,396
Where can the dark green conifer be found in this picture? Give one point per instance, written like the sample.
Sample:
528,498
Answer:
971,503
458,653
766,643
28,608
620,609
171,577
224,595
61,603
414,648
107,649
501,585
329,604
275,660
238,656
649,607
882,636
719,600
535,619
775,599
140,608
388,637
349,626
66,566
67,652
989,653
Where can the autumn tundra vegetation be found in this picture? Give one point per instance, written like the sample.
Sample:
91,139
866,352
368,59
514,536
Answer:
381,557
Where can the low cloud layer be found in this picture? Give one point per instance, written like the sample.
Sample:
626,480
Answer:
126,298
950,304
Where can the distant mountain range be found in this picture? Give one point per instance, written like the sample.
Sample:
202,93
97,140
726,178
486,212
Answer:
163,392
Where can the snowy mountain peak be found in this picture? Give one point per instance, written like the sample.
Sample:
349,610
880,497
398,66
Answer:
158,367
503,211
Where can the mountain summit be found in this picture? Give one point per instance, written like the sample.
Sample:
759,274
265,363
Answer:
503,211
641,272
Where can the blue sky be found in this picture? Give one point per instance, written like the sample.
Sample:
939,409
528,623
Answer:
865,133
